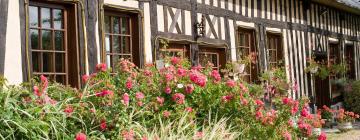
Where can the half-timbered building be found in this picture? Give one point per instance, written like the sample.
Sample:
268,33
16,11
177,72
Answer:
64,39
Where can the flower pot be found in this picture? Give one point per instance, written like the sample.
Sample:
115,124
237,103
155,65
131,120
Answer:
345,126
316,131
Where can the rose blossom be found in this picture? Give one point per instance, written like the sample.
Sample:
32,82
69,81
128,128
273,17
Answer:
227,98
230,83
258,114
189,88
126,99
304,112
167,90
104,93
198,78
68,110
178,98
160,100
181,72
287,135
215,74
175,60
80,136
139,95
101,67
36,91
287,100
166,114
128,135
259,102
85,78
129,84
188,109
169,77
322,136
103,125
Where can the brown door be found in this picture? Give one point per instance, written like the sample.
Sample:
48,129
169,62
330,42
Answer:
216,56
349,59
322,87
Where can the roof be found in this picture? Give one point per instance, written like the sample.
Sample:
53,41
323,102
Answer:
352,6
351,3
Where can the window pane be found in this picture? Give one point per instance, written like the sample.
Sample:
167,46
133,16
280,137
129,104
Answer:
48,60
36,61
34,36
45,18
60,62
46,40
116,25
58,18
116,46
60,79
214,59
59,35
124,25
34,16
125,44
107,24
107,43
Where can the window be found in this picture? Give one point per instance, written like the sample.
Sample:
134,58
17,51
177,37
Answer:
350,60
177,50
274,50
50,49
121,38
245,47
216,56
334,55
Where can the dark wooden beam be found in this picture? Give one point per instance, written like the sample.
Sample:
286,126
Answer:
91,19
154,29
24,53
3,25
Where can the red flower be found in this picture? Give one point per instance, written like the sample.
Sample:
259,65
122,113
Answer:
101,67
322,136
104,93
128,135
166,114
147,73
68,110
139,95
175,60
198,78
178,98
103,125
160,100
227,98
181,72
126,99
215,75
287,100
80,136
244,101
129,84
85,78
259,102
287,135
188,109
36,91
189,88
44,82
258,114
230,83
304,112
169,77
167,90
140,103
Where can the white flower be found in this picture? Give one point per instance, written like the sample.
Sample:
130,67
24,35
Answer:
180,85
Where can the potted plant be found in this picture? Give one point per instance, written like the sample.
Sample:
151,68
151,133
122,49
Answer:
239,66
345,119
317,124
326,115
313,66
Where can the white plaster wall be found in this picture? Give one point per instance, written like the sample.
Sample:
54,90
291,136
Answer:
97,37
160,18
232,40
188,27
245,24
147,34
13,65
128,3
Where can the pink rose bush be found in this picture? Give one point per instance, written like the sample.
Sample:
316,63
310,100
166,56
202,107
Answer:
108,104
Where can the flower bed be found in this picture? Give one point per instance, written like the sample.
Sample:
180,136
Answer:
175,102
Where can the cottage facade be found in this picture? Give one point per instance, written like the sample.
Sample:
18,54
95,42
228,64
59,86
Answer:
65,39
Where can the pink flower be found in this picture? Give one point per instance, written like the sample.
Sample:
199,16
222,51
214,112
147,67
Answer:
259,102
290,123
36,91
181,72
295,107
198,78
140,103
44,82
166,114
199,135
296,87
167,90
126,99
128,135
188,109
168,77
85,78
101,67
287,135
160,100
322,136
258,114
215,75
175,60
104,93
129,84
189,88
230,83
80,136
287,100
244,101
179,98
243,87
304,112
227,98
68,110
103,125
139,95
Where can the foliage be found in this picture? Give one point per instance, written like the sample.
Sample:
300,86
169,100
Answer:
326,112
352,96
346,116
174,102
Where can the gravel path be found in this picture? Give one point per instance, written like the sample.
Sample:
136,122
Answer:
351,135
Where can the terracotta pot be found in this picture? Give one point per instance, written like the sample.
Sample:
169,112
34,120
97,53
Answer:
346,126
316,131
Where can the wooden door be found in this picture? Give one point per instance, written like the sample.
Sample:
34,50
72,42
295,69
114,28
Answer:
322,87
350,60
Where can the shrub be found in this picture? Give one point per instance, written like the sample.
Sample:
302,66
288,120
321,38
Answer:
175,102
351,96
